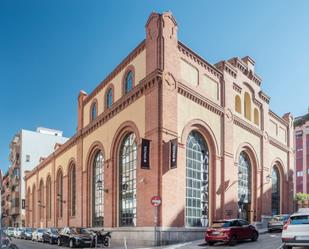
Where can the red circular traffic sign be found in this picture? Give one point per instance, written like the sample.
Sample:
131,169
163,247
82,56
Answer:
156,201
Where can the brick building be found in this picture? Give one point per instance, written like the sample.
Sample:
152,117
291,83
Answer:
302,153
216,149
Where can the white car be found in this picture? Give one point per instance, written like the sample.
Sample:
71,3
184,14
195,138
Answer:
18,232
296,231
37,235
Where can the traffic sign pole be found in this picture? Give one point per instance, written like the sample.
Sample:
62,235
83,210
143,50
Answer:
155,202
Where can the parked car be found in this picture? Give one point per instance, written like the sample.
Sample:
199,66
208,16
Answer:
230,231
37,235
18,232
296,231
277,222
10,231
15,232
51,235
75,237
26,233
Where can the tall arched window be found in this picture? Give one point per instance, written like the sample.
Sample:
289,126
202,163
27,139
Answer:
109,98
244,186
128,82
94,111
41,200
97,190
33,205
256,116
28,208
275,191
237,104
72,190
127,180
197,179
48,198
59,194
247,106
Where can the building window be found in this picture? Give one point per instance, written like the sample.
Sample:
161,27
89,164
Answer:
197,175
59,194
127,180
109,98
237,104
128,82
27,158
299,173
275,191
247,106
72,189
256,116
48,198
244,186
41,200
97,190
94,111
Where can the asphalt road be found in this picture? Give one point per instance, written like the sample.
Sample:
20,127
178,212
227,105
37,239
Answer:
265,241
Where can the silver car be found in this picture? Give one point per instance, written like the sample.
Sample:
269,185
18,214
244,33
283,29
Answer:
277,222
296,231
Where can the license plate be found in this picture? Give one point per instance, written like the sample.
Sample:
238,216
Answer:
215,233
302,238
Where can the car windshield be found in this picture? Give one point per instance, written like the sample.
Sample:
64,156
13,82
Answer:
10,229
220,224
79,230
28,230
300,219
40,230
279,218
54,230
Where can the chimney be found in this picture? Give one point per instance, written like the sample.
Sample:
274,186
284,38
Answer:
80,122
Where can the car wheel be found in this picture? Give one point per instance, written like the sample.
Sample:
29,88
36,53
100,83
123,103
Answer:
71,244
59,242
233,240
254,236
210,243
50,241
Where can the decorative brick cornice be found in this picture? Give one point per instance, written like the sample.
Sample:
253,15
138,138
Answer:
277,118
248,127
227,67
199,60
264,97
145,85
199,99
117,70
278,144
236,87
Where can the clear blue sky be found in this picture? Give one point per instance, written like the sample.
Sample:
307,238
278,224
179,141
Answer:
51,49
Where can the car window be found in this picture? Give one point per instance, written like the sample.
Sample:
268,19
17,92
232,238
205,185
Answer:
243,222
300,219
220,224
235,223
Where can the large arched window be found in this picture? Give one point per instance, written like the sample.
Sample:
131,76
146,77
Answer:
41,200
127,180
72,190
275,191
247,106
244,186
237,104
128,84
33,204
94,111
59,194
97,190
48,198
197,179
109,98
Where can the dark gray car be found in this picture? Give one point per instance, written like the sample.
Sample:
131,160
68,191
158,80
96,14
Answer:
277,222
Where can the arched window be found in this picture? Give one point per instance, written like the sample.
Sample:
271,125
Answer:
72,190
247,107
127,180
94,111
109,98
97,190
197,179
33,205
275,191
237,104
48,198
128,82
256,116
59,194
244,186
28,209
41,200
